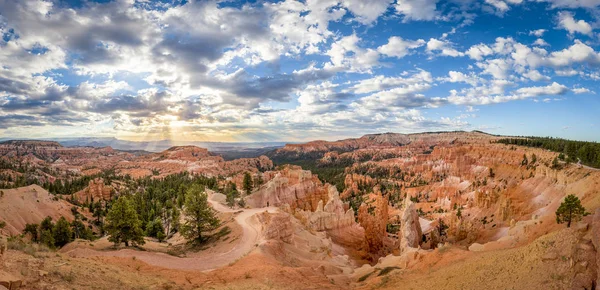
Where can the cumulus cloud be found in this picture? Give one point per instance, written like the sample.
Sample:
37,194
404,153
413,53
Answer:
576,53
572,3
459,77
538,32
540,42
346,53
552,89
485,96
367,11
535,75
567,22
398,47
417,9
477,52
419,80
443,46
582,91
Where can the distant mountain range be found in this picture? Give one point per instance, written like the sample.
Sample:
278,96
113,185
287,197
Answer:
241,149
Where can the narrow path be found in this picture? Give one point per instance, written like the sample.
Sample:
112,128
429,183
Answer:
250,238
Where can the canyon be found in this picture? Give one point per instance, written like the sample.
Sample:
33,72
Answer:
439,210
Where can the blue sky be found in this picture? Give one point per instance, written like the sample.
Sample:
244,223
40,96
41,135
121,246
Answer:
298,70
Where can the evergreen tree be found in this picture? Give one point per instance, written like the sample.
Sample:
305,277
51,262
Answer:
32,229
47,238
248,184
199,216
97,212
47,224
122,223
155,229
80,231
62,232
570,210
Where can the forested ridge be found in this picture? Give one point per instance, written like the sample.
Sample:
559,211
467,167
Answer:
574,151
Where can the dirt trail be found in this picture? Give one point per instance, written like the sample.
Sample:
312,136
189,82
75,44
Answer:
250,238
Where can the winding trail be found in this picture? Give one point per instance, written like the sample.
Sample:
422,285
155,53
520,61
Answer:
251,236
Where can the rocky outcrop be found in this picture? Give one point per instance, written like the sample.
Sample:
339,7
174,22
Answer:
410,228
334,215
292,186
460,229
95,191
277,226
262,163
184,153
485,198
373,217
595,231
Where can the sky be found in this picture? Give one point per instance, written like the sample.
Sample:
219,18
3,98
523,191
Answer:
298,70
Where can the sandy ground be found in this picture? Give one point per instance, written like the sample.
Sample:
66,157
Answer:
251,237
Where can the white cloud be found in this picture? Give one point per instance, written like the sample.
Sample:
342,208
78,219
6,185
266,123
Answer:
576,53
566,73
443,46
540,42
538,32
459,77
498,68
483,96
398,47
367,12
567,22
477,52
319,99
536,76
501,6
553,89
421,79
397,99
417,9
582,91
345,53
573,3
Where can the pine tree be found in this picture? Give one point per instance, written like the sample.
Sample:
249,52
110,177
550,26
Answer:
32,229
155,229
122,223
47,238
199,216
248,183
62,232
570,210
